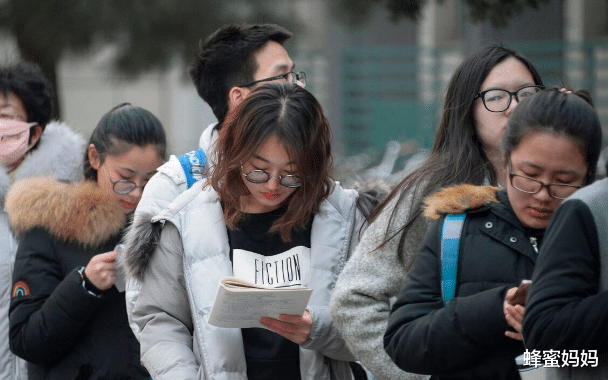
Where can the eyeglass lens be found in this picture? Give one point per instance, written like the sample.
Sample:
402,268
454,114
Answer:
260,176
124,186
499,100
529,185
299,78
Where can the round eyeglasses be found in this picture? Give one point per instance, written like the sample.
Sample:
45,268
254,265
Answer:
299,78
532,186
498,99
125,186
261,176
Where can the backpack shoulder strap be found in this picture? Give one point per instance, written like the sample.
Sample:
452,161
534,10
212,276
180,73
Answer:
193,163
451,235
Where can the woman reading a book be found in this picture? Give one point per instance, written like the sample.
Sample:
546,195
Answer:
269,214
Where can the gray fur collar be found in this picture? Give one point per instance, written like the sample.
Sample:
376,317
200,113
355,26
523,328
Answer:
140,242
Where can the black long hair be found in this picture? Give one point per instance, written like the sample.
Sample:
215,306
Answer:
457,155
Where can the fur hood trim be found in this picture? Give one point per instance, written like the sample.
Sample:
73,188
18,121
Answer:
458,199
140,241
72,212
143,235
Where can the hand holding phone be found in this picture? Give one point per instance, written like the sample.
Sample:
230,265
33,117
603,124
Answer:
521,293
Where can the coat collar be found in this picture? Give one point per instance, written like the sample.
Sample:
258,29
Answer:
77,213
459,199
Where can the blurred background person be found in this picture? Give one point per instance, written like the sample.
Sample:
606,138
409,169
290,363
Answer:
66,317
31,145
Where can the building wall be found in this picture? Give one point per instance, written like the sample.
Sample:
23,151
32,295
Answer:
89,88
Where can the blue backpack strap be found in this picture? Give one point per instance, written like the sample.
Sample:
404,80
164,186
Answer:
451,234
193,163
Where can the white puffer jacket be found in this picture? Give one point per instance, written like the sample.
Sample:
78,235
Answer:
180,276
59,153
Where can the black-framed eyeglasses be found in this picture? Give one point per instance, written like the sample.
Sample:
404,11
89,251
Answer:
299,78
532,186
498,99
261,176
124,186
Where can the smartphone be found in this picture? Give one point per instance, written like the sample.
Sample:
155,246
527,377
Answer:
521,293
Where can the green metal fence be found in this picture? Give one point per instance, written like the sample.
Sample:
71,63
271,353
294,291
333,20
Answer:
396,92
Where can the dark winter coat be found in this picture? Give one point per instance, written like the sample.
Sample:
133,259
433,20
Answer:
464,339
62,329
567,302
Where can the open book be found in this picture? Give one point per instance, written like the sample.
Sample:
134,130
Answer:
241,304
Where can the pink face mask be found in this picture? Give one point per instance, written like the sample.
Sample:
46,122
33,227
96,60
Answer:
14,137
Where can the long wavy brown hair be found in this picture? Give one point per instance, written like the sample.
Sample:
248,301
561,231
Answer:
293,115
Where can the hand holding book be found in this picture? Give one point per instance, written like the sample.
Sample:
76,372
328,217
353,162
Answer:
239,304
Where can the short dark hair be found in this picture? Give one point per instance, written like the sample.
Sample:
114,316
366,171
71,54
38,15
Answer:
121,128
552,110
226,59
296,118
26,80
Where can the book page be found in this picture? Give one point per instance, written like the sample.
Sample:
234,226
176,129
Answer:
242,306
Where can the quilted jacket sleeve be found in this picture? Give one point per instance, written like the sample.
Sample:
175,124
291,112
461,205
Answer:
162,313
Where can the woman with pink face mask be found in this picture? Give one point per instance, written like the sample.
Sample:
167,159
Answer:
68,317
31,145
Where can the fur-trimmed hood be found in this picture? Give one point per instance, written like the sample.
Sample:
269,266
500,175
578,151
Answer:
60,153
458,199
77,213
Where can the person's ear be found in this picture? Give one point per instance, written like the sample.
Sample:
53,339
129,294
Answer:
236,95
35,133
93,155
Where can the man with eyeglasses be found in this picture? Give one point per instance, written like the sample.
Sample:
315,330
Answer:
231,62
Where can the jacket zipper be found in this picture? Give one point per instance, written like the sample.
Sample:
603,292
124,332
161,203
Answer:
534,243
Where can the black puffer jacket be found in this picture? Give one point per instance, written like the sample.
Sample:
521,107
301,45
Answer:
465,339
62,330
